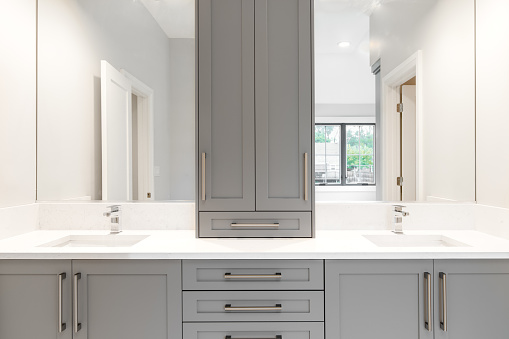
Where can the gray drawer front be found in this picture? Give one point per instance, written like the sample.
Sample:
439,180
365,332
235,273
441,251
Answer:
219,224
253,306
252,274
300,330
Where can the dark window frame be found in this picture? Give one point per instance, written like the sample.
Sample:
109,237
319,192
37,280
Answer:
343,155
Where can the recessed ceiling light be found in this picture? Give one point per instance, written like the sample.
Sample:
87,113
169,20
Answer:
344,44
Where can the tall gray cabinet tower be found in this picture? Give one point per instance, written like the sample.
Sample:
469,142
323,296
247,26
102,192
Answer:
255,120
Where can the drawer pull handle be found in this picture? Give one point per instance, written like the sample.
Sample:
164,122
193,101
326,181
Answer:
253,276
61,324
76,323
234,224
443,300
276,337
305,176
229,307
203,175
428,315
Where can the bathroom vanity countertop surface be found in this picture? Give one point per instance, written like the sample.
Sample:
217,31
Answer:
184,245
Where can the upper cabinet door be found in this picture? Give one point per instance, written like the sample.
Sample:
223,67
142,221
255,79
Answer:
283,105
226,105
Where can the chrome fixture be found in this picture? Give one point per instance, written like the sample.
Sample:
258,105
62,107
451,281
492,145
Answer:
398,218
115,222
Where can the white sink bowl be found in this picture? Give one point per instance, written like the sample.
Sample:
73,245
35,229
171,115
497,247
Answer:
110,240
405,240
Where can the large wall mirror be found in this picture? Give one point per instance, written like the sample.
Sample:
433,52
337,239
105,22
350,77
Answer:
116,100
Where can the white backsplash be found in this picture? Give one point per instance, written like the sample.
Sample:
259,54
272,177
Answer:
379,216
492,220
329,216
18,220
135,216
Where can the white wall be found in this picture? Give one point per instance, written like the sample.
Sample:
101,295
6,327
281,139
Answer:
18,106
492,30
444,31
182,119
74,35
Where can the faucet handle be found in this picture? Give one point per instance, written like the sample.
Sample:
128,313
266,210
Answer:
399,209
114,208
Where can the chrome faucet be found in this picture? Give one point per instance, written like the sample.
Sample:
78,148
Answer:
398,218
115,221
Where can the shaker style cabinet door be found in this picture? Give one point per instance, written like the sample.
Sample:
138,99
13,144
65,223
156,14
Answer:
119,299
476,299
384,299
226,153
283,105
35,299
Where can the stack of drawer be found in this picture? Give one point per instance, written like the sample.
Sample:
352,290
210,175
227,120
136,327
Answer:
237,299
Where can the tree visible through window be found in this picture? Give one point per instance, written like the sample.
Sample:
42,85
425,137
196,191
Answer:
344,154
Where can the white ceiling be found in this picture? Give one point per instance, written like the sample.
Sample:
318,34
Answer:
176,17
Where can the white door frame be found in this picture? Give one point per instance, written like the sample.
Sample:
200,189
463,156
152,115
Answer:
145,125
411,67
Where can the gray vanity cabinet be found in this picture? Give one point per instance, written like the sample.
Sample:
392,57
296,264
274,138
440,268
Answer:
127,299
476,299
385,299
255,124
32,295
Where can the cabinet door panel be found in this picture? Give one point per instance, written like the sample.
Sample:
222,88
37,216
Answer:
283,104
375,299
226,104
477,298
29,299
129,299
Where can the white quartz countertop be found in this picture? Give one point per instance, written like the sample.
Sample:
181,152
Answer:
184,245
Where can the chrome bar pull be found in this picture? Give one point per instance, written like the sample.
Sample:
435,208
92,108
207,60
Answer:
276,337
234,224
230,337
229,307
305,176
253,276
61,325
76,323
203,156
427,303
443,301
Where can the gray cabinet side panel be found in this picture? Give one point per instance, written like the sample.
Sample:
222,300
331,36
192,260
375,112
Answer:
283,104
375,299
29,299
226,104
129,299
477,299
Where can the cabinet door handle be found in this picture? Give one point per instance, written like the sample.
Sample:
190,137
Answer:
76,323
229,307
253,276
443,301
203,156
61,325
234,224
427,303
305,176
230,337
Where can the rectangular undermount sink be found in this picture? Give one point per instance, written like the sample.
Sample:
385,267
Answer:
109,240
405,240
